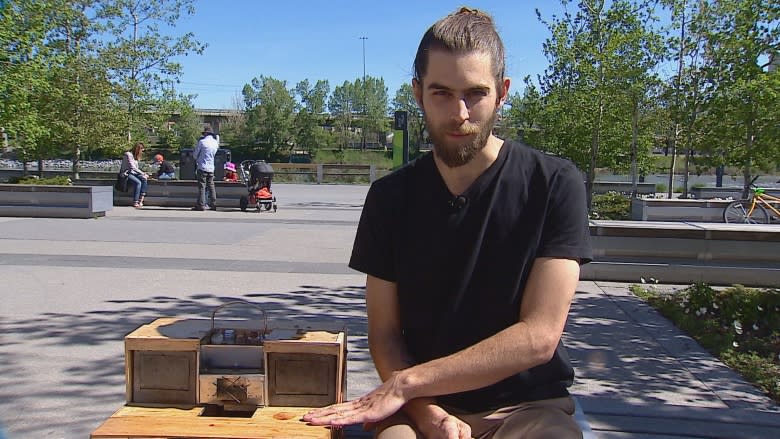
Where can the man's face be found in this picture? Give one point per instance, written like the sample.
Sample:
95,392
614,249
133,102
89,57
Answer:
459,99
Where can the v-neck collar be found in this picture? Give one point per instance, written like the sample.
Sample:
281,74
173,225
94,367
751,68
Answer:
482,181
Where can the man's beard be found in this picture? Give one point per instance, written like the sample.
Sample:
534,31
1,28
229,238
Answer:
454,155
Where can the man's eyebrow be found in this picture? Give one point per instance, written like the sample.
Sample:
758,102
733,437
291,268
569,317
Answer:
437,86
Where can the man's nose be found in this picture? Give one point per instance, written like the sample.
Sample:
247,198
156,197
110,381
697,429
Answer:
462,113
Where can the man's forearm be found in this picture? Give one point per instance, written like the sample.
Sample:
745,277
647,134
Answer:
507,353
391,356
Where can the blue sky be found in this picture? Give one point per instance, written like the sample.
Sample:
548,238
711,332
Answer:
294,40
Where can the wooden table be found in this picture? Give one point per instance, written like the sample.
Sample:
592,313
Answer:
149,422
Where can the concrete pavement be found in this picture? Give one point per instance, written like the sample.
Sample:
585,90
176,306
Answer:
71,289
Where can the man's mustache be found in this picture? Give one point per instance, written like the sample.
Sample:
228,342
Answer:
468,128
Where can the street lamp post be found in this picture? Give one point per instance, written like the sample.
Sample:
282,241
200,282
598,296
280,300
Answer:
365,102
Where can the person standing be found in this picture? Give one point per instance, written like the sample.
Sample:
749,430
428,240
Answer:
138,178
204,154
472,255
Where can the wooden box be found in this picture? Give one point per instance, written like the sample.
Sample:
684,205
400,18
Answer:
161,361
305,370
300,367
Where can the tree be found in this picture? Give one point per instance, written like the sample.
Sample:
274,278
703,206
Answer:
139,59
233,131
68,88
309,134
342,105
270,110
358,103
743,95
599,58
184,131
523,117
371,98
24,75
640,49
80,108
684,89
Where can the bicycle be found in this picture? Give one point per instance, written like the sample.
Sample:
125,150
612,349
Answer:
754,210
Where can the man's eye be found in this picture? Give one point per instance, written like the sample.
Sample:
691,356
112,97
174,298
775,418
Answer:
441,93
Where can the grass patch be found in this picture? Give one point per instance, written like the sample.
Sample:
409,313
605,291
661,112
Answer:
378,157
739,325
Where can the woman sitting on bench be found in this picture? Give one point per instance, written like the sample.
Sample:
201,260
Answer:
136,176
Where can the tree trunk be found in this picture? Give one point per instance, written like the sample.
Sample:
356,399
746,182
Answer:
673,148
673,164
76,163
746,170
40,168
634,136
686,171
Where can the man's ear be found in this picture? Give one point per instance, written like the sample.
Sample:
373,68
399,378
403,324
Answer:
418,93
504,93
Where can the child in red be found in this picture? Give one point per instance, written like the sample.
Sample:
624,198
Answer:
230,172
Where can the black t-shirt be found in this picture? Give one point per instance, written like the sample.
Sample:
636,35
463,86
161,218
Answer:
461,263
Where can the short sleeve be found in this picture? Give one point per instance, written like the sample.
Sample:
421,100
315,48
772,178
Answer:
373,252
566,232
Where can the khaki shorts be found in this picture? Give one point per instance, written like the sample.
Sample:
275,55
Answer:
549,418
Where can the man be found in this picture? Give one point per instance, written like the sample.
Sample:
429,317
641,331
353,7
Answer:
472,258
204,160
166,170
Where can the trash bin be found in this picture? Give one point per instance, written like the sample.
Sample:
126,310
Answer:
187,164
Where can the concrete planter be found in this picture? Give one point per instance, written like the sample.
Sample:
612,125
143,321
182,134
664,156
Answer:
55,201
175,193
724,192
678,252
655,209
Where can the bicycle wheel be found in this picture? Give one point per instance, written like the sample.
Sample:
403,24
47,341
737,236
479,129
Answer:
737,213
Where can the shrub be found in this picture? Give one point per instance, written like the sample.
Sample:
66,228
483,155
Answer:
610,206
61,180
660,187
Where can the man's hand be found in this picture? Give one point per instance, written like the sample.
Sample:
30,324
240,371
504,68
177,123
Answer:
377,405
438,424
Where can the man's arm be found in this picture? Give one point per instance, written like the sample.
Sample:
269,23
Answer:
528,343
197,152
389,351
384,328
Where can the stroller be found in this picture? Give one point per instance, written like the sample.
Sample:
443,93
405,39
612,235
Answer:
258,175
